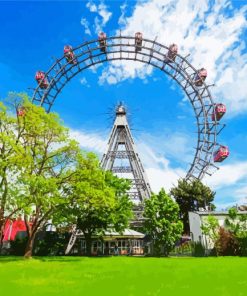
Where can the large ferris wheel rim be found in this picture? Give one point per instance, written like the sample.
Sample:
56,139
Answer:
200,98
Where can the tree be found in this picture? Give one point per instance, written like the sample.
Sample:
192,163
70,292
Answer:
210,227
226,244
237,225
48,156
11,162
98,200
227,241
191,196
37,167
123,210
162,222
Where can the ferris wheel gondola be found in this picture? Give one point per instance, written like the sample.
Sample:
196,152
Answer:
41,79
69,54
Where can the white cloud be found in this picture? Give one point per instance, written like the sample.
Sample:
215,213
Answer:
177,145
98,25
91,141
91,6
228,174
121,70
122,18
104,13
231,84
158,169
164,178
231,179
212,31
241,196
84,82
103,16
85,24
242,193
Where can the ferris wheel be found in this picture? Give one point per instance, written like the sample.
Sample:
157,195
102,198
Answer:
208,114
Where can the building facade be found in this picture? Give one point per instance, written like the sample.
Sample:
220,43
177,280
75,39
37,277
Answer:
130,242
197,219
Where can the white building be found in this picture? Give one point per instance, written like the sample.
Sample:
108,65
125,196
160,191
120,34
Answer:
197,219
130,242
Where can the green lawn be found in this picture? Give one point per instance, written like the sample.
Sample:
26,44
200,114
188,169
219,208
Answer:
123,276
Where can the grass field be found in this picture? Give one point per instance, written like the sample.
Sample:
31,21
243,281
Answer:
123,276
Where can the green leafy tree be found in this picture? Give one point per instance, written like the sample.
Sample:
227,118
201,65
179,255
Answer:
210,227
237,223
191,196
98,200
46,168
11,162
48,156
231,239
162,222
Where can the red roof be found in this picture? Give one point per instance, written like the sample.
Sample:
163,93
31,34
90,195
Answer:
12,227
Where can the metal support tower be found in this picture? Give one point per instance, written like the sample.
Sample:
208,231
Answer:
122,159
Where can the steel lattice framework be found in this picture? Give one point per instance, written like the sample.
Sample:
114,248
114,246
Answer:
152,53
121,138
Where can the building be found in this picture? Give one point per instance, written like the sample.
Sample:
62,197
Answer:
197,219
130,242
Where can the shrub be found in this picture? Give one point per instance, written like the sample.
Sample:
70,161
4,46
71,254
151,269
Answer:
50,243
198,250
227,244
243,246
18,246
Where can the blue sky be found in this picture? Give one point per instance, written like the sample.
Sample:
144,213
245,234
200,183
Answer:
33,33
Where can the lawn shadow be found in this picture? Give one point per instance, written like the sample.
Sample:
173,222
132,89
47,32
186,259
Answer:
58,258
7,259
70,258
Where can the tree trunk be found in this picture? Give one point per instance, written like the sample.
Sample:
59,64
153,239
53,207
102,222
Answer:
166,252
29,246
88,240
1,238
186,224
1,225
157,249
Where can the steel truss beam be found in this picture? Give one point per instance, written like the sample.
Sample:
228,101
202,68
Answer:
122,154
120,169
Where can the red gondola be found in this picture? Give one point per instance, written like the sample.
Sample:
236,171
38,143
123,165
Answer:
21,111
102,41
138,41
219,111
69,54
200,77
221,154
172,52
40,78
